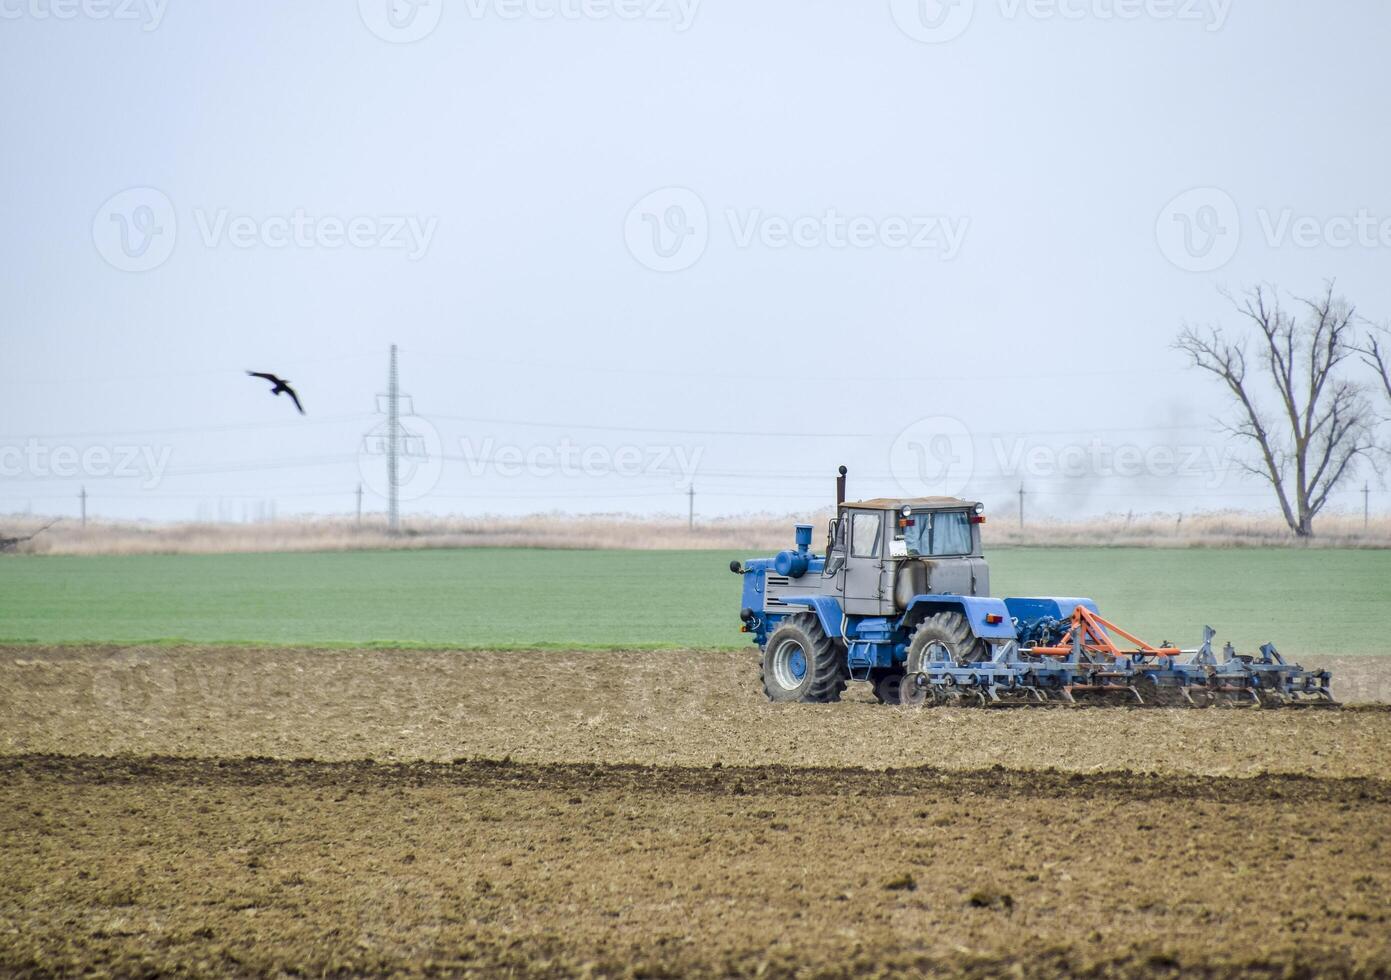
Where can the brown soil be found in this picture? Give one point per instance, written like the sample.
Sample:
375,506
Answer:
651,814
143,866
675,708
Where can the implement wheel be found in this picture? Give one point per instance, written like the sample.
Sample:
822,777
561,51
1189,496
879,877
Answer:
801,663
910,693
888,686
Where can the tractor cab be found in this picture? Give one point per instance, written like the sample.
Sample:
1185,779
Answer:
883,552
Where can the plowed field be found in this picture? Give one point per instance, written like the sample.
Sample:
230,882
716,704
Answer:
218,811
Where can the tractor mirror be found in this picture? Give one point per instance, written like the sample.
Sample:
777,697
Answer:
835,547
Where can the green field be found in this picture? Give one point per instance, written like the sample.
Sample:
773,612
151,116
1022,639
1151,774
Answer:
1311,601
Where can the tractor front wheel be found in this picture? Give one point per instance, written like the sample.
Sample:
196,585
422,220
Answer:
802,663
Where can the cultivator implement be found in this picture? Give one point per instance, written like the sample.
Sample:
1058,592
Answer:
1085,665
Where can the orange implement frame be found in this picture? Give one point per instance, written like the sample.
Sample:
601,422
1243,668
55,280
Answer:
1091,630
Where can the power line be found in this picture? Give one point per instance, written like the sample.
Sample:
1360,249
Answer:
606,427
177,430
190,495
659,430
570,367
166,375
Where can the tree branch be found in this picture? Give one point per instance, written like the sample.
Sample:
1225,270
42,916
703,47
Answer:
1324,419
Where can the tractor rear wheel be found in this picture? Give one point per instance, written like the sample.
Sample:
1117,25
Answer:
947,631
802,663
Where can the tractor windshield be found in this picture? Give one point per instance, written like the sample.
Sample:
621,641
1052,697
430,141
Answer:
944,533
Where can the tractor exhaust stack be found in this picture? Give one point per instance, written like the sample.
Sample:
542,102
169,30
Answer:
840,488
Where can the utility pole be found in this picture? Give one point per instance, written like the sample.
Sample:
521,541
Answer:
359,505
1021,506
393,447
690,512
396,442
1366,505
83,497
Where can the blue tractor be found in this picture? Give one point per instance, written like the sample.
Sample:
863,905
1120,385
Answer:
901,599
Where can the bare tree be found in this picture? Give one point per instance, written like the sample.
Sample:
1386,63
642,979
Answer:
1321,422
1377,356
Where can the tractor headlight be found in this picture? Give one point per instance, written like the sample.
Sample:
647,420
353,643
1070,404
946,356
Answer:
979,509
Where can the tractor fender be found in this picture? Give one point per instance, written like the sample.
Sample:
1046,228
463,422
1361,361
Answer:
1031,610
974,608
827,610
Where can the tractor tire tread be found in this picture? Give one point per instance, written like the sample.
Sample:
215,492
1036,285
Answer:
826,661
951,629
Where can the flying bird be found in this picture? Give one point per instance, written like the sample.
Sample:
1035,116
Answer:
279,387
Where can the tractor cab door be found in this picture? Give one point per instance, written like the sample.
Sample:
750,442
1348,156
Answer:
867,566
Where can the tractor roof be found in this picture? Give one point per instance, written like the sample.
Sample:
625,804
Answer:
917,503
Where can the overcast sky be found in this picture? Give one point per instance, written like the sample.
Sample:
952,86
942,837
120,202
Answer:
624,244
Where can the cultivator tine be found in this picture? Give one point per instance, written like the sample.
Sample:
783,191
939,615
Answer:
1239,697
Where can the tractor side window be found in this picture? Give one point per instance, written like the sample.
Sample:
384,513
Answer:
864,536
951,533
